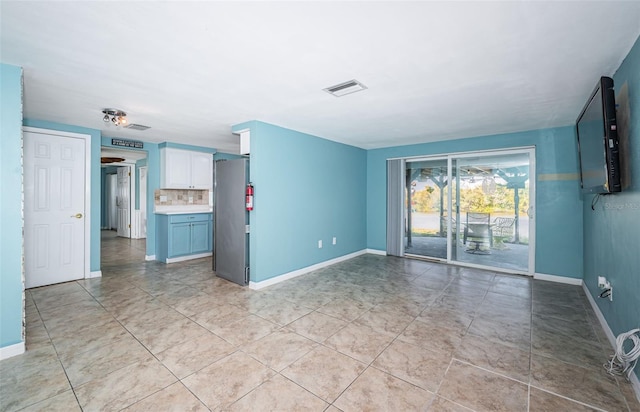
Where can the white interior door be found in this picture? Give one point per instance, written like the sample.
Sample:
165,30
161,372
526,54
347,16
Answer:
143,202
54,208
123,201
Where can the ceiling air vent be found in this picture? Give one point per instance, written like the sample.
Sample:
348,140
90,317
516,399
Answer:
349,87
134,126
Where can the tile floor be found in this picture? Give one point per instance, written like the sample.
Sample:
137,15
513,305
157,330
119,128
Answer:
371,333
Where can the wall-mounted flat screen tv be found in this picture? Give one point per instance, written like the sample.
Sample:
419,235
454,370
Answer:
598,141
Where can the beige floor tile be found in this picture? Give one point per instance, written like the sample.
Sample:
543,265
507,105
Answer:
65,325
414,364
217,317
156,317
359,342
90,338
173,398
194,354
440,339
57,302
385,320
64,402
227,380
436,316
246,330
317,326
541,401
588,386
124,386
569,349
375,390
324,372
507,360
279,394
482,390
283,313
85,366
508,333
37,337
345,309
279,349
440,404
171,333
70,310
45,292
31,378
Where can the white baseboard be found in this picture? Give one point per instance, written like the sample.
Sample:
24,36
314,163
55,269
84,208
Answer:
188,257
558,279
376,252
11,350
94,274
299,272
610,336
149,257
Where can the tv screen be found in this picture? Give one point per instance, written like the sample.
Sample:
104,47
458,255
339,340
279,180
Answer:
598,141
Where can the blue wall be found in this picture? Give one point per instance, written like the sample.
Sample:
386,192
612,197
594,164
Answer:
11,286
559,207
306,189
96,178
612,230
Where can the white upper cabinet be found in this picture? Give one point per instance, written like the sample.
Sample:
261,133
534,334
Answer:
185,169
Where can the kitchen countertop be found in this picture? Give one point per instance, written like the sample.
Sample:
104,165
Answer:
181,210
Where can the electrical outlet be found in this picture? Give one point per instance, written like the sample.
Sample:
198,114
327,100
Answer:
602,282
163,198
190,199
319,244
334,240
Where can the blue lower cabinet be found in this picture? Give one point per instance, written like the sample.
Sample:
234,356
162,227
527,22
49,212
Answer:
180,236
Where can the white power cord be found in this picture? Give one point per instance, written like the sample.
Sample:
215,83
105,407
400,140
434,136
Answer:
622,363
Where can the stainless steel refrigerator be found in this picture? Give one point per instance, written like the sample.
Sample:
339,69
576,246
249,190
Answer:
231,221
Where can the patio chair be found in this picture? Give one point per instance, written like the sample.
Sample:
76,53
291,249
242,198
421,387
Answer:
477,230
503,228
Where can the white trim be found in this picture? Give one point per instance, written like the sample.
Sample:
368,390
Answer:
442,156
12,350
188,257
635,383
305,270
558,279
94,274
149,257
376,252
87,186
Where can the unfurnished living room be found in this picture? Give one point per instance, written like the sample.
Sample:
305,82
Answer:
311,205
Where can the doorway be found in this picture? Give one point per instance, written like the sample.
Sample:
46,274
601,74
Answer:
473,209
124,195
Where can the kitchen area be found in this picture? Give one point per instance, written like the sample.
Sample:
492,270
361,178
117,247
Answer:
191,184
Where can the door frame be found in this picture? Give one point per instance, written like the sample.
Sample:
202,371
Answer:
532,196
87,188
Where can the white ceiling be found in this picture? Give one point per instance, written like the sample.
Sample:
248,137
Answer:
434,70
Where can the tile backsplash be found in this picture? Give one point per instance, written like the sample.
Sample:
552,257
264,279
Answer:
175,197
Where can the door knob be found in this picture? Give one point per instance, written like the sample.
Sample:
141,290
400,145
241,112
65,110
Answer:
77,215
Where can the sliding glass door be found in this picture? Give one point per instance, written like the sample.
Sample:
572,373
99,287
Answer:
475,209
426,205
492,200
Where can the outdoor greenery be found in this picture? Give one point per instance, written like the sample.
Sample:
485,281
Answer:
472,199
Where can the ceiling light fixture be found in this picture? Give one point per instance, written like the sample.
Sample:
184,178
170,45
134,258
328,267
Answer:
116,116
